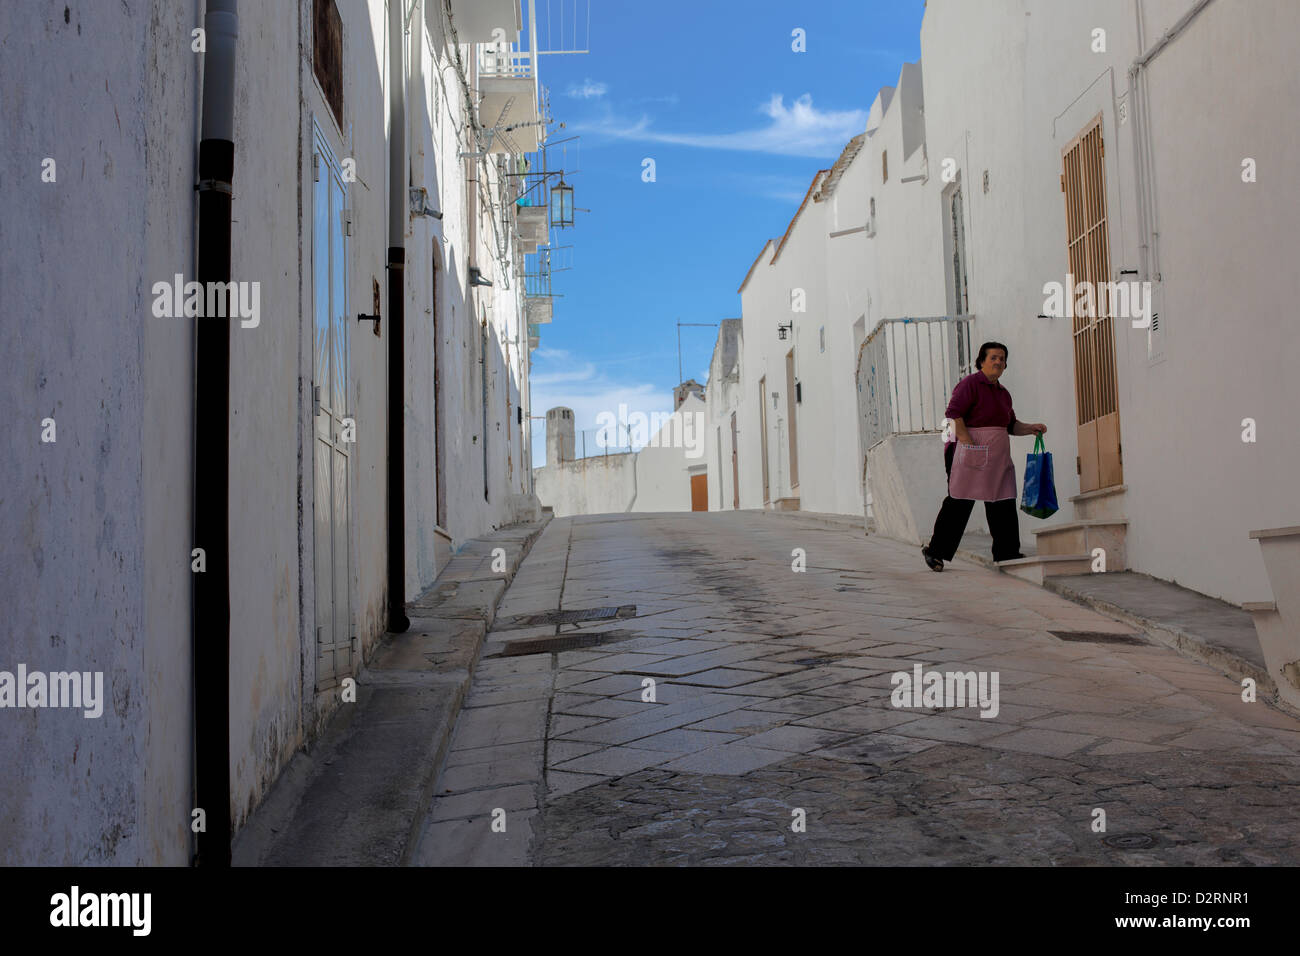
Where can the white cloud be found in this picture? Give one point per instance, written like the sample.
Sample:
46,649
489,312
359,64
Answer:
585,372
799,129
587,90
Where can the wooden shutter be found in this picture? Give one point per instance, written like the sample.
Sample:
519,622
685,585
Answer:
1083,182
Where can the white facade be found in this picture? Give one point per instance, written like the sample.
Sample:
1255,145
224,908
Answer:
656,477
98,570
964,162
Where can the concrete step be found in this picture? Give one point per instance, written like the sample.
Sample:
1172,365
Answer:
1085,535
1039,567
1102,503
1277,622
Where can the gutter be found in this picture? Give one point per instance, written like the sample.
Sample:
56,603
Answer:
1143,162
210,626
398,199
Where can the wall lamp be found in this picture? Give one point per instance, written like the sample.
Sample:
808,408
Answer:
420,203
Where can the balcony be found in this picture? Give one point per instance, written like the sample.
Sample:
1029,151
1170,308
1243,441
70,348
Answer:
507,86
474,20
530,221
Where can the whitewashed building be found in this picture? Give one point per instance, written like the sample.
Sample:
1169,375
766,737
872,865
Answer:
361,149
1044,145
667,471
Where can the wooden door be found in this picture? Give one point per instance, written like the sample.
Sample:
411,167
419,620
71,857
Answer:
439,411
700,492
790,414
1096,390
332,428
762,431
735,468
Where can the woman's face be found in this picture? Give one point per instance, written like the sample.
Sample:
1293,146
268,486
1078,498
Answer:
995,363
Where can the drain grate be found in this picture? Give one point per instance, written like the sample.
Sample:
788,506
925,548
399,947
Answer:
561,642
571,617
1129,841
816,661
1098,637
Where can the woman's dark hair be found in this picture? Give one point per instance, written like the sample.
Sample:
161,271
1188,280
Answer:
984,351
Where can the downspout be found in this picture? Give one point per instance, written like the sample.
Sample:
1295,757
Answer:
398,200
1143,160
211,623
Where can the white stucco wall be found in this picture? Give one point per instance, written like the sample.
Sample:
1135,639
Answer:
603,484
657,477
92,580
97,574
722,398
1221,243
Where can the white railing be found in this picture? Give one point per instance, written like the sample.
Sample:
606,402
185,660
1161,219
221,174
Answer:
500,60
907,369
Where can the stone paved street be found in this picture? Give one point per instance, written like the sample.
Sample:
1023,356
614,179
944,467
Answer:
772,696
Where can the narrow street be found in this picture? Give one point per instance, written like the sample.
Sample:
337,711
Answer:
743,716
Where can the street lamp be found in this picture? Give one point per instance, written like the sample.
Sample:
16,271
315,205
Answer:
561,205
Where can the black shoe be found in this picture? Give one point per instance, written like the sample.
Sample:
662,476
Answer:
934,563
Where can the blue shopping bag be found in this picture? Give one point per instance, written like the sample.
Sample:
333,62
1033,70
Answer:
1039,498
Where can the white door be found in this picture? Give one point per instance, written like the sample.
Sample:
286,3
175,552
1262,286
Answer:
332,436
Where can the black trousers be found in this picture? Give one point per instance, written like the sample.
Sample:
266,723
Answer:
1003,518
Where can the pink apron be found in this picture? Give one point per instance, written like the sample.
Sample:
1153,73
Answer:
983,471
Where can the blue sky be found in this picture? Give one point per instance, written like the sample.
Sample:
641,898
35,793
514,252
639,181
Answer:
737,124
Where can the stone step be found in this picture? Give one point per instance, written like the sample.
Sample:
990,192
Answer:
1084,535
1102,503
1277,622
1038,567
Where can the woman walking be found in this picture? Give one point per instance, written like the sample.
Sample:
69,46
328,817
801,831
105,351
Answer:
978,461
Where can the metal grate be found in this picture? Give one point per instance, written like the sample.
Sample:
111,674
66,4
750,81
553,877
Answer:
570,617
561,642
1098,637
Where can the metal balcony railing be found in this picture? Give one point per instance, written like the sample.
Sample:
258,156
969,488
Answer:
501,60
907,369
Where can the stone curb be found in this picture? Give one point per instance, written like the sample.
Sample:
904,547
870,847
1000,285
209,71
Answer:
1186,643
423,691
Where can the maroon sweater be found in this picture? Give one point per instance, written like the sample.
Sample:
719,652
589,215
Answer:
981,403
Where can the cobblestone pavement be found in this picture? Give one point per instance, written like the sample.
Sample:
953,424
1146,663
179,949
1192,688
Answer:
772,738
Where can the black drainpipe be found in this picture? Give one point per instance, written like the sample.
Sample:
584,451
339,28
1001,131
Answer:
211,624
398,622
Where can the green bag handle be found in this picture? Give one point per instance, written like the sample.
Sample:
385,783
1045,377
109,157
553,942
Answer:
1039,446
